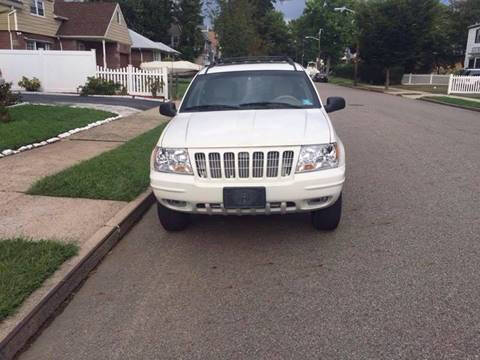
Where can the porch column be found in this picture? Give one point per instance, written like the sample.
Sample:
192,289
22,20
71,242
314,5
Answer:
104,55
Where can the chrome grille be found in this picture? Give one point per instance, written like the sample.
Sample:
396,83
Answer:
215,165
257,167
229,165
272,163
244,165
287,162
201,164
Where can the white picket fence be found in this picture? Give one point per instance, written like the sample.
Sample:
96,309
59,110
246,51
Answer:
136,81
464,85
425,79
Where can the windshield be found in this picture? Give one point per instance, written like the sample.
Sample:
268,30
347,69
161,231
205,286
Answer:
243,90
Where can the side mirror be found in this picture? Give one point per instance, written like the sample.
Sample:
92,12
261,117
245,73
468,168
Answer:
334,104
168,109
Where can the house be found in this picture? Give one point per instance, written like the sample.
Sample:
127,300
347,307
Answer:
472,54
145,50
210,47
60,25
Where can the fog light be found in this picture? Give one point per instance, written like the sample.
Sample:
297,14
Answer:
318,201
176,203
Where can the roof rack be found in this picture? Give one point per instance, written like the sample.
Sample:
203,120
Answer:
253,60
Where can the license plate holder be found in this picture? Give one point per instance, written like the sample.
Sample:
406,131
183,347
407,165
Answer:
244,198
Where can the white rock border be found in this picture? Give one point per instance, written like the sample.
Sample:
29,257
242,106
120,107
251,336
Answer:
9,152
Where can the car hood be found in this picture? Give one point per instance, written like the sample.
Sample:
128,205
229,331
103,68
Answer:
286,127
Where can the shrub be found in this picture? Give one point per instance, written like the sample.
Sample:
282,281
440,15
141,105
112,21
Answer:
7,97
98,86
156,85
30,85
369,73
4,115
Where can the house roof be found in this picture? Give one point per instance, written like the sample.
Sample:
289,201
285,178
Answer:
141,42
84,18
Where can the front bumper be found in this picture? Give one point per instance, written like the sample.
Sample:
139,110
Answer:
298,193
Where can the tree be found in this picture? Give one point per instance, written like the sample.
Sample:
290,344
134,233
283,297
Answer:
235,28
337,29
187,15
396,32
463,14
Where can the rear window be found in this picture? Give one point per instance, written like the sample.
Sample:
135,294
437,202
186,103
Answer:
243,90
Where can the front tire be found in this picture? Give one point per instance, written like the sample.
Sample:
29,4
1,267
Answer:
172,220
328,219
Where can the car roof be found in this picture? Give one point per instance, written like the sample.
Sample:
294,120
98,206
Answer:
251,67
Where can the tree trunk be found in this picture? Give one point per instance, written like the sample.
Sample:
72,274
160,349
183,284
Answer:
328,65
387,78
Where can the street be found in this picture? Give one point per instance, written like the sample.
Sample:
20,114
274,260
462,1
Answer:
399,278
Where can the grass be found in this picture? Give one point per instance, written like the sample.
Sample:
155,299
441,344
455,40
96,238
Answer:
434,89
340,81
454,101
24,266
180,90
120,174
36,123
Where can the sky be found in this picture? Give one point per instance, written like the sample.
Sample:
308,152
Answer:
291,9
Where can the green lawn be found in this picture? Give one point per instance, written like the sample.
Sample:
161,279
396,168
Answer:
35,123
340,81
454,101
24,266
119,174
180,90
434,89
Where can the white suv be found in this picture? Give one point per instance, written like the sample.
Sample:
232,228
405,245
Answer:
251,137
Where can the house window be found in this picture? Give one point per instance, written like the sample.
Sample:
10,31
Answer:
157,56
119,18
477,37
81,46
38,45
36,8
31,45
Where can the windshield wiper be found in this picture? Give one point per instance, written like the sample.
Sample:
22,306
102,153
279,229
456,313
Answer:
270,104
212,107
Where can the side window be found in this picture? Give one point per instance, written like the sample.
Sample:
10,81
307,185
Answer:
37,8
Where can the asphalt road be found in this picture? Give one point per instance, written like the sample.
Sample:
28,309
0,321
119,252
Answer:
399,279
139,104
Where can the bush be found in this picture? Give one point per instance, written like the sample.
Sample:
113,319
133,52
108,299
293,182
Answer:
4,115
369,73
30,85
98,86
156,85
7,97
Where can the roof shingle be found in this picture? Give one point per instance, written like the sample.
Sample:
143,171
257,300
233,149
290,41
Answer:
84,19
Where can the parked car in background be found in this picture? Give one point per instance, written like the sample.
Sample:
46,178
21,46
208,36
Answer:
470,72
320,77
251,137
312,69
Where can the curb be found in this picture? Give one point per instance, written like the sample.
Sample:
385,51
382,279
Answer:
451,105
103,241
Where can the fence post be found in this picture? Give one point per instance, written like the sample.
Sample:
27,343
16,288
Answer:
165,85
431,79
450,83
410,79
129,79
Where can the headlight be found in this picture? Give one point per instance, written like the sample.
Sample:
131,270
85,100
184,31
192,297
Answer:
318,157
172,161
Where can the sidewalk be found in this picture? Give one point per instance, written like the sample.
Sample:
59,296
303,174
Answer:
411,94
63,219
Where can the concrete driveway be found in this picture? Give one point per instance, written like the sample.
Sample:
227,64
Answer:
399,279
139,104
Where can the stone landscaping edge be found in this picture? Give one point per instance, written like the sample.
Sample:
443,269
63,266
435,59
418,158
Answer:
16,331
8,152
